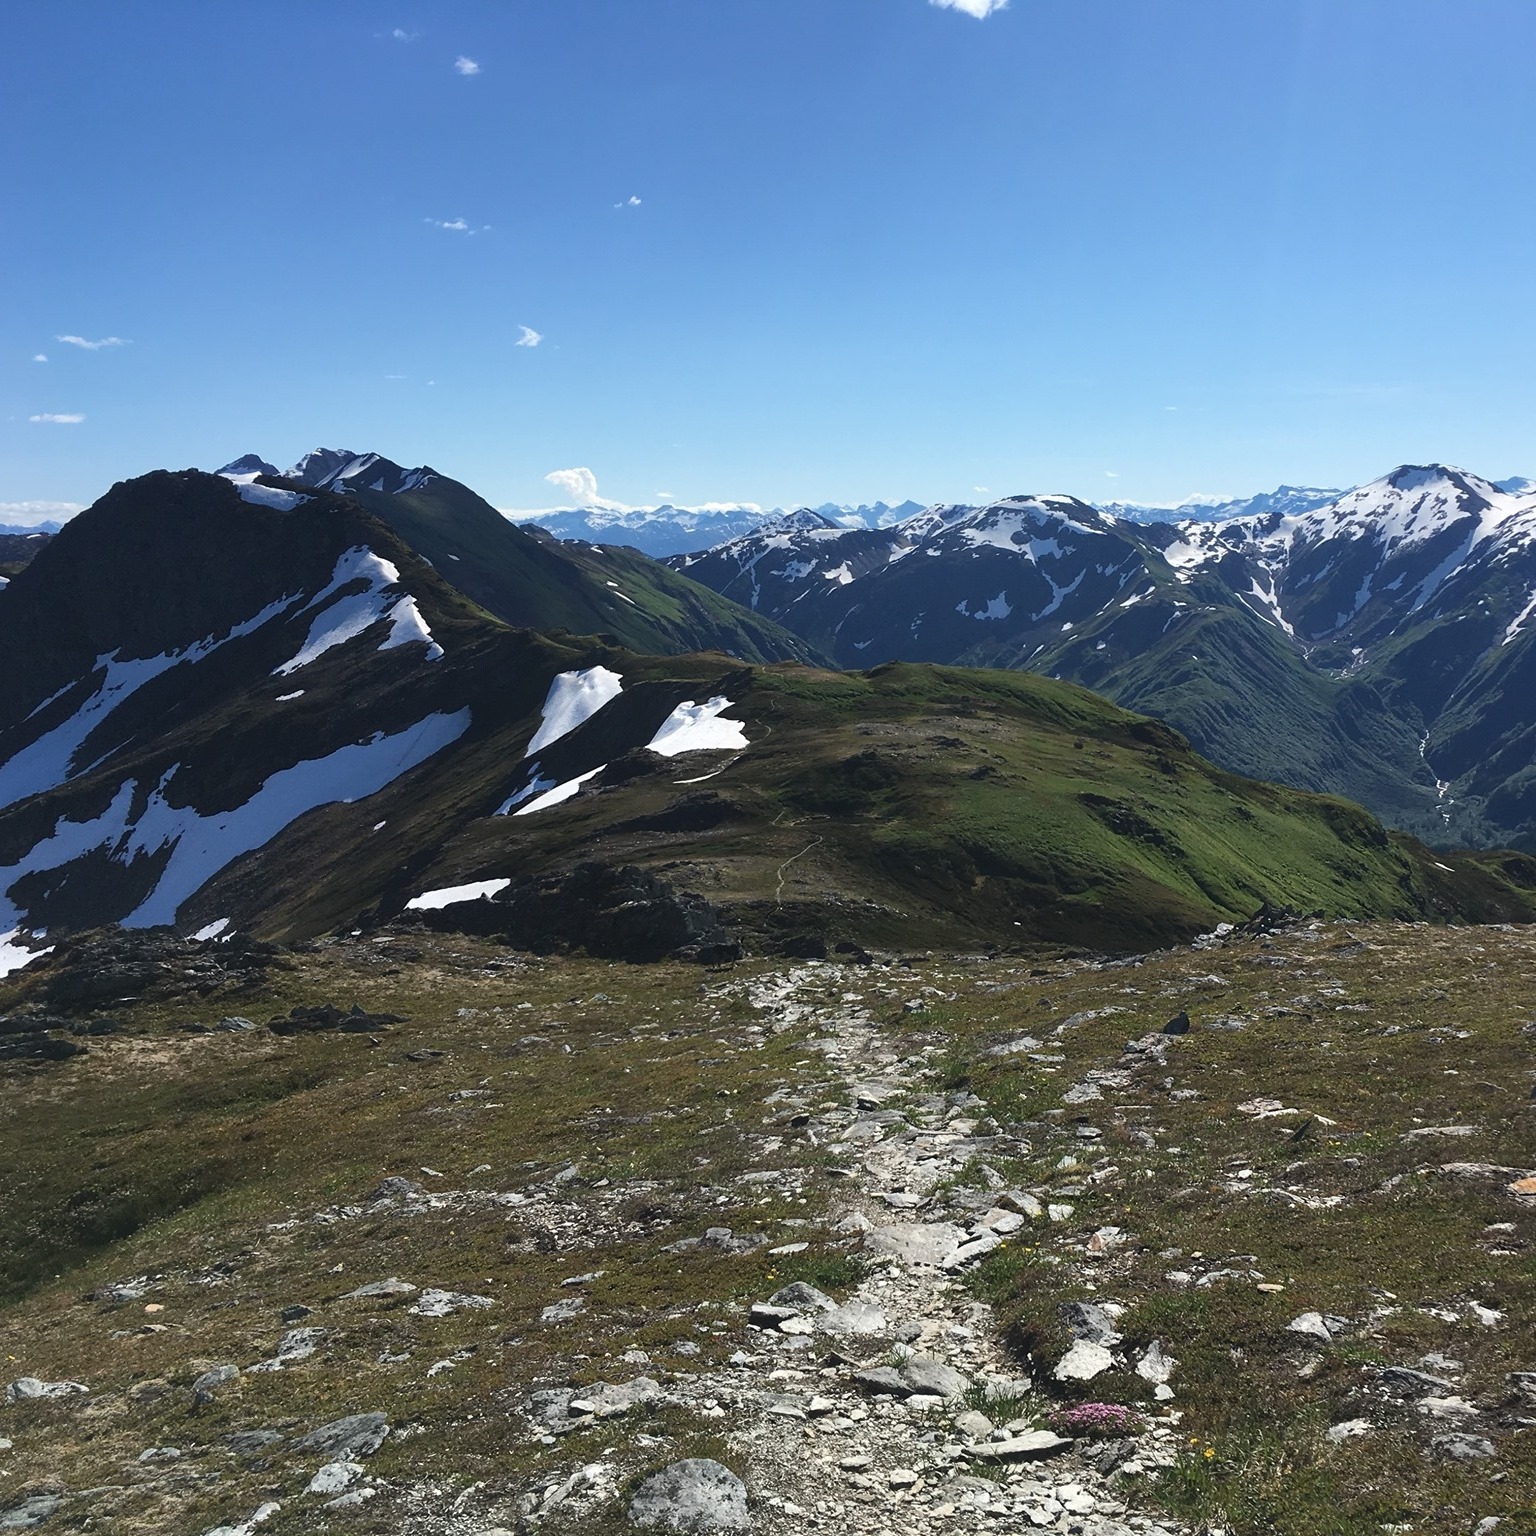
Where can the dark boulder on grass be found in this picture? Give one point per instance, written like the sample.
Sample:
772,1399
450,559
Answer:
614,913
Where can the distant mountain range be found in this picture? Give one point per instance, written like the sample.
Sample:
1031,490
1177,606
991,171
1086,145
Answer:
669,530
297,702
1379,645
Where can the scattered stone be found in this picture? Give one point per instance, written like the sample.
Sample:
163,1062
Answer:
1462,1447
436,1303
335,1477
1083,1362
251,1442
390,1287
924,1374
302,1020
359,1434
295,1345
1403,1382
160,1453
1178,1024
1350,1429
263,1513
1034,1445
1087,1320
882,1379
922,1245
397,1188
29,1512
559,1311
1156,1365
206,1384
693,1497
974,1425
26,1388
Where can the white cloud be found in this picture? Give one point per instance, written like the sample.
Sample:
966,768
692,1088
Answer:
39,357
28,513
466,66
980,9
59,418
400,35
529,338
1111,474
460,226
580,485
93,346
629,202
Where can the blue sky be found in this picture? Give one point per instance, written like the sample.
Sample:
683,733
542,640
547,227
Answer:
779,251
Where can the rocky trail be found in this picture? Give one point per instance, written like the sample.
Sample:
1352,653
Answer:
895,1411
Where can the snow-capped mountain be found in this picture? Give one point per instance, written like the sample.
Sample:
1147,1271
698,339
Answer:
1285,500
335,469
669,530
1375,645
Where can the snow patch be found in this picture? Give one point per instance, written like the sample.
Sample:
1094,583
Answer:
211,931
450,895
345,615
14,954
195,847
49,761
266,496
695,727
997,608
559,792
574,697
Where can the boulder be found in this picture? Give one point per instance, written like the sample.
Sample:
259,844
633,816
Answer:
359,1434
692,1497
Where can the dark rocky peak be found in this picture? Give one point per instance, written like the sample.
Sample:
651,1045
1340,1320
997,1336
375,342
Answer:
247,464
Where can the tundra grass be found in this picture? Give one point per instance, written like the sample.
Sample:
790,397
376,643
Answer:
1393,1051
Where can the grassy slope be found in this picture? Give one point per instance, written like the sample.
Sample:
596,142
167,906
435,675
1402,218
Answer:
913,804
538,583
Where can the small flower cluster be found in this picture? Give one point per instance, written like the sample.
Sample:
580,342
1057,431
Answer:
1098,1421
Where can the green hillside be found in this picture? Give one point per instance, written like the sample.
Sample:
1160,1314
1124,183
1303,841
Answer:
909,805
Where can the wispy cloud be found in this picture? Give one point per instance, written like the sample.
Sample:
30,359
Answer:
59,418
466,66
629,202
39,357
980,9
529,338
29,513
1111,474
457,226
93,346
400,35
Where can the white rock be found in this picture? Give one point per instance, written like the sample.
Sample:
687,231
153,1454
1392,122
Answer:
334,1477
1337,1434
1083,1362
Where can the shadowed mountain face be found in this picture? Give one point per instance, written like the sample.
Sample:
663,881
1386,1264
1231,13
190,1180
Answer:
244,703
527,578
1375,646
